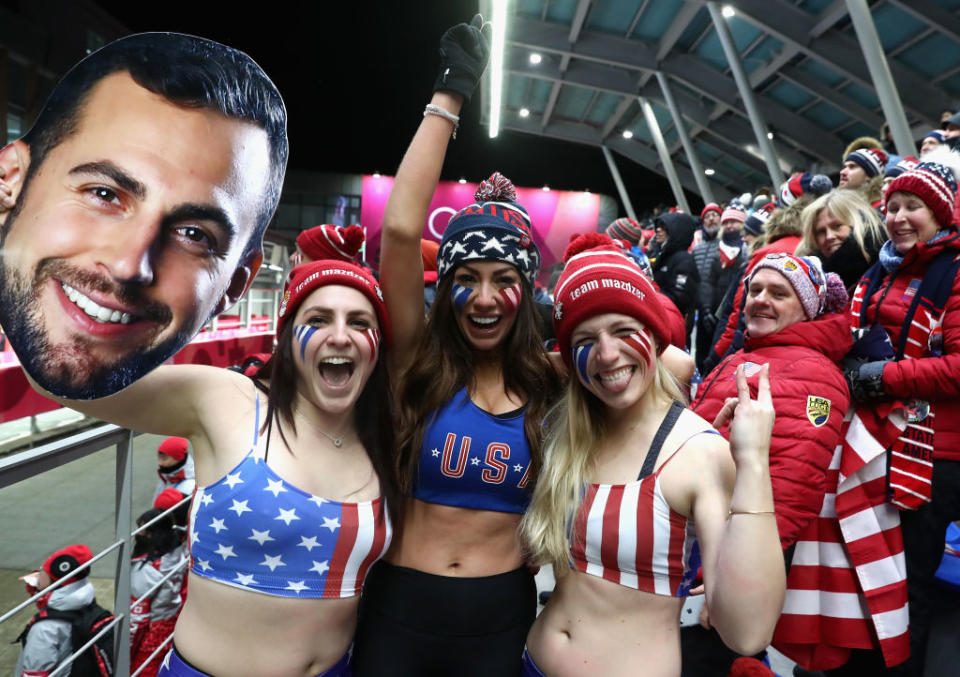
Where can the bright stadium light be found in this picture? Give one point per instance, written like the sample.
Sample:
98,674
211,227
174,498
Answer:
709,172
727,12
627,134
496,64
535,58
524,112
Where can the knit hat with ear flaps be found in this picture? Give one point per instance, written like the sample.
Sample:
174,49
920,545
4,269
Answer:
934,181
309,276
67,560
331,242
818,293
494,228
599,278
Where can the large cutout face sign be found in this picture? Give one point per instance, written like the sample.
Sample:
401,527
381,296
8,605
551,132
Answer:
139,217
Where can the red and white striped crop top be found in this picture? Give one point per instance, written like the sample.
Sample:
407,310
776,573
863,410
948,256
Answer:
629,534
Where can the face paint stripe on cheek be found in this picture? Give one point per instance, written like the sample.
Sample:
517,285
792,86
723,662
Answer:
641,343
581,355
511,297
373,337
460,296
303,332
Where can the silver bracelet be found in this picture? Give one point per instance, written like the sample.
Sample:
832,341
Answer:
433,109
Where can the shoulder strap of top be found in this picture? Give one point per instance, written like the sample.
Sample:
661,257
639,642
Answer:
256,417
665,427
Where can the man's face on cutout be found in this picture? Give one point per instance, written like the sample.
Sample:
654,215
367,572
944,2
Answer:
127,238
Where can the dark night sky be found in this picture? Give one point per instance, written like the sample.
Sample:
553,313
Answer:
355,76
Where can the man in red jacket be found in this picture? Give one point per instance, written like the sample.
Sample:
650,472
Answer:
796,325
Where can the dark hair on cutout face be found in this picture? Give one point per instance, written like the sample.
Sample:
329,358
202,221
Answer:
186,70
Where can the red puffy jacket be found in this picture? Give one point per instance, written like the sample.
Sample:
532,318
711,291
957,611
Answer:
935,379
810,397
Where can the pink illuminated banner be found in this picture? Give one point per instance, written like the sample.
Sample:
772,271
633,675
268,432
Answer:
555,215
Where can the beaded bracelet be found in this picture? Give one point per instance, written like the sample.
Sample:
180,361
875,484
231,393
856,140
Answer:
433,109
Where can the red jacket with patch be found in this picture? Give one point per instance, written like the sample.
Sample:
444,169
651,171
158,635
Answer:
935,379
810,397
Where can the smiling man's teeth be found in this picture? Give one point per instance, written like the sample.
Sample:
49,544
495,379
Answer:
94,309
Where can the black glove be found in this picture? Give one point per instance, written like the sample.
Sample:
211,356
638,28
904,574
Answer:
865,379
464,50
708,324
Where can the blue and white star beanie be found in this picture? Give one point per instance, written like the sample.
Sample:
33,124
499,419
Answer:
494,228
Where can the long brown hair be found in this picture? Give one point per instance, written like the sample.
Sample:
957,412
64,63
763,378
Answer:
444,362
372,413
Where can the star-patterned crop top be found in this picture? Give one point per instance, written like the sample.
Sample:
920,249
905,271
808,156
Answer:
474,459
254,530
629,534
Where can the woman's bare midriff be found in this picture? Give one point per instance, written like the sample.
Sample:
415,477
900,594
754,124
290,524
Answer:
594,627
279,636
450,541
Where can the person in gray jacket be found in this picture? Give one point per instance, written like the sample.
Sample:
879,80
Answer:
47,643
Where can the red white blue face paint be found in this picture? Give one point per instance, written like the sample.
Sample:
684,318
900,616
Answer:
303,332
373,338
511,297
460,296
641,343
581,355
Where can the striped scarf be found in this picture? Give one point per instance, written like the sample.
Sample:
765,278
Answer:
847,587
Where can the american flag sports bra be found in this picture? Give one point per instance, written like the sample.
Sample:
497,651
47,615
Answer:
254,530
629,534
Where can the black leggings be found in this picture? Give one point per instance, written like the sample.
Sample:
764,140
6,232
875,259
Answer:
414,623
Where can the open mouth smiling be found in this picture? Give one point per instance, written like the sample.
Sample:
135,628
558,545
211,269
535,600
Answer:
94,310
336,370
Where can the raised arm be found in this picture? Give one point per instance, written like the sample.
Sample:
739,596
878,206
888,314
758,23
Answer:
464,49
743,567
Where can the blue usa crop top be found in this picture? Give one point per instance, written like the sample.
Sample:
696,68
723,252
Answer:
471,458
254,530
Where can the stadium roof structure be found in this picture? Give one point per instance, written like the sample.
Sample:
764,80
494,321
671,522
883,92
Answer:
608,68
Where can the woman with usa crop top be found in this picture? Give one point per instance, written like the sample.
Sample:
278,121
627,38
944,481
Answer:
637,491
452,596
294,477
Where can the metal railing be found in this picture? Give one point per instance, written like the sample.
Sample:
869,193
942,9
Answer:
27,464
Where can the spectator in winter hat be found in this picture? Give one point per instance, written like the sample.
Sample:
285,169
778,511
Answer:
860,166
610,333
46,640
932,139
175,466
797,327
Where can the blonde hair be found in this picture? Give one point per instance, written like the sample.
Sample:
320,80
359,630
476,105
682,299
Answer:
850,207
575,427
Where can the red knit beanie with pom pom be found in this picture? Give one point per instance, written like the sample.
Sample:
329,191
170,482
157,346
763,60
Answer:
331,242
599,278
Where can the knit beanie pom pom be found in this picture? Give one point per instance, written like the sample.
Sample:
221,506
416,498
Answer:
820,184
497,188
836,297
353,238
587,241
